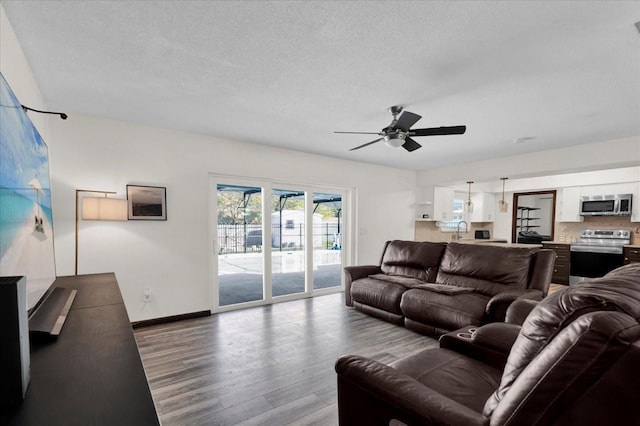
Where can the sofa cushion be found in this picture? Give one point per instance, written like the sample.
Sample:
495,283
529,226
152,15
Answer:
442,310
444,289
489,271
412,258
380,294
618,291
461,378
398,279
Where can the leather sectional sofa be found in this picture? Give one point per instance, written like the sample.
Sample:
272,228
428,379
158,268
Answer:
433,288
574,361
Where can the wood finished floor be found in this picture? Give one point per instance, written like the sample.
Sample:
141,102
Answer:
270,365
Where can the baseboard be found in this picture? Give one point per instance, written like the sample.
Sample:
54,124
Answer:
164,320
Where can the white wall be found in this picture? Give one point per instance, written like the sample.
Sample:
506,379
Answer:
15,69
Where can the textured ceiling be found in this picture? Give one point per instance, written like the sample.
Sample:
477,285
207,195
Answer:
288,74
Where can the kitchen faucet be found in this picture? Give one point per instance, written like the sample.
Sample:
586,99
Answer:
466,229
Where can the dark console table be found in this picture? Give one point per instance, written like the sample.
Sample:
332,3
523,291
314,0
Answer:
92,373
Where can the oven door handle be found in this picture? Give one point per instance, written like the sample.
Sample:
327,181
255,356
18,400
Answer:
596,249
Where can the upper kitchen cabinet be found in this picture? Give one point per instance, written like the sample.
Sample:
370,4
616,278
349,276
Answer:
635,204
484,207
434,203
569,208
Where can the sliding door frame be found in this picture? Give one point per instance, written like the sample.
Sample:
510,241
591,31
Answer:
267,185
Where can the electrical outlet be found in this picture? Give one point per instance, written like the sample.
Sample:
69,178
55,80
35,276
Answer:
147,294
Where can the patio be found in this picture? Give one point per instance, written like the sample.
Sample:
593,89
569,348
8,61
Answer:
240,274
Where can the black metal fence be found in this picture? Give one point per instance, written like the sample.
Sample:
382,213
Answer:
248,238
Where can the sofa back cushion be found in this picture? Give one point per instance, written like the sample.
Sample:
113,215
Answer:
412,259
575,361
577,332
487,269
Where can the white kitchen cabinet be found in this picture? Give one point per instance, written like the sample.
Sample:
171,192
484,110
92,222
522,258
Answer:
635,204
434,203
442,203
569,206
484,207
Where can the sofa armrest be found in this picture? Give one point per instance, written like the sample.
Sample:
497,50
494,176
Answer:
352,273
519,310
499,336
542,270
371,393
496,310
490,343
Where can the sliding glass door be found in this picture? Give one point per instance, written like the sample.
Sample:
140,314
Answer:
288,228
239,244
275,242
327,240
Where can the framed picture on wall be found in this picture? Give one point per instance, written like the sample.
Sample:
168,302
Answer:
147,202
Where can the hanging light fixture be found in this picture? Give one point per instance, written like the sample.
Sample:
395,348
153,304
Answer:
468,205
502,204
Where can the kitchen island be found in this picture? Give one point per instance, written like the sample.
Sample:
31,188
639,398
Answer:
497,242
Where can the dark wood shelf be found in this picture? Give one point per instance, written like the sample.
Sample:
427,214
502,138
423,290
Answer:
631,254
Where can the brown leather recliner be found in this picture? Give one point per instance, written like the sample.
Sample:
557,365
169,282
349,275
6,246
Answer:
575,361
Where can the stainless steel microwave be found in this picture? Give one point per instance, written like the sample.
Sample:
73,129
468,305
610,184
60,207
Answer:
606,205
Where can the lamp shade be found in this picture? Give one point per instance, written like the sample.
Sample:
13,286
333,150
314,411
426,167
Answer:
103,208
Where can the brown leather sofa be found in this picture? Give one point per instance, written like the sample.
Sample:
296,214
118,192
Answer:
575,361
433,288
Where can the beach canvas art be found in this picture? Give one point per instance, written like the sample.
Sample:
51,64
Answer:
26,219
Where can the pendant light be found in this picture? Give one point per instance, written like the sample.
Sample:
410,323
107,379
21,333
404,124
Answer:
468,205
502,204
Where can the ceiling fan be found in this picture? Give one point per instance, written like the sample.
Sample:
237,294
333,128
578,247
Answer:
399,132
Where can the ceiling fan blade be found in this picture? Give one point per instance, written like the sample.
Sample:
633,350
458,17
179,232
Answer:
435,131
361,133
366,144
410,145
406,120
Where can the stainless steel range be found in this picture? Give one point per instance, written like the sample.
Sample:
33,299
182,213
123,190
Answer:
597,252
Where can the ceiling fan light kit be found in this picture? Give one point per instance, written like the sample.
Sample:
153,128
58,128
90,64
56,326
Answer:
399,133
395,140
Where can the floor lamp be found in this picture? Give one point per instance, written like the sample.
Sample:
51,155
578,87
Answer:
99,208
